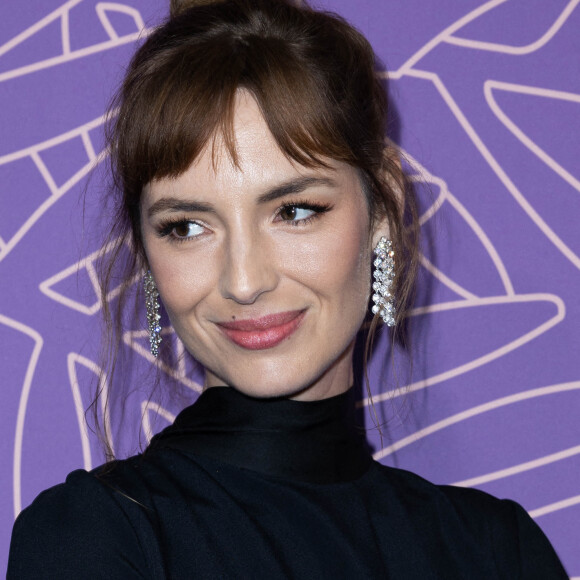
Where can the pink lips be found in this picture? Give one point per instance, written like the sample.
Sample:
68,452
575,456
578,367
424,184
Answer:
265,332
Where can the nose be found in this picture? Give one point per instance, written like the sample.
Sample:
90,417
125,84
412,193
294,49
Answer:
248,268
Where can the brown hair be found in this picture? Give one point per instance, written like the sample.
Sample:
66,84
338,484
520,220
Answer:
314,78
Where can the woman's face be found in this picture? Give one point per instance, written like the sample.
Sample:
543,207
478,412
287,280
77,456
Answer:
263,268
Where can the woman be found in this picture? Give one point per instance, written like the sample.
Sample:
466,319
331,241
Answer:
249,153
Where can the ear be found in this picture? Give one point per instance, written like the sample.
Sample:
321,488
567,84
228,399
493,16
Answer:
393,174
380,229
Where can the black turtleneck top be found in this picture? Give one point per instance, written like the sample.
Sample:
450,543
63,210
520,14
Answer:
252,488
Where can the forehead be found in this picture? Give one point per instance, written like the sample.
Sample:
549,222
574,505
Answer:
259,163
257,155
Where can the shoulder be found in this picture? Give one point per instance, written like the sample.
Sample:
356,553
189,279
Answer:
467,504
78,529
501,527
87,495
462,500
470,510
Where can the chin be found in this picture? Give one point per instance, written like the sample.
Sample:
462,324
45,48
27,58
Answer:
270,388
267,381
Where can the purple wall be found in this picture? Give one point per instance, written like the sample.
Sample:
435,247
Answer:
487,98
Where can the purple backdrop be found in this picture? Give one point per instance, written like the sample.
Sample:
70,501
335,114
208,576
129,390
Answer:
487,99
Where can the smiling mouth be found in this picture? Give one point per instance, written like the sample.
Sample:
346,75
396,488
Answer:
265,332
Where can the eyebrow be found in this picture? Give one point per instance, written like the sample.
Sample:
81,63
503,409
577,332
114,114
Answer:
177,204
291,187
294,186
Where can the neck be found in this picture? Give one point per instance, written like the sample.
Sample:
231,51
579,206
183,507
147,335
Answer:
315,442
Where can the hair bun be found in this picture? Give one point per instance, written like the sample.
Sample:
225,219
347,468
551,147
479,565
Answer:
176,7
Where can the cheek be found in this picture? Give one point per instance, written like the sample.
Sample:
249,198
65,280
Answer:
182,280
336,265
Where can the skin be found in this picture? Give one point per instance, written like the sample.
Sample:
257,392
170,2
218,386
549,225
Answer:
219,251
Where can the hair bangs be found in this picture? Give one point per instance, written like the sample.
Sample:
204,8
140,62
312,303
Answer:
190,101
294,104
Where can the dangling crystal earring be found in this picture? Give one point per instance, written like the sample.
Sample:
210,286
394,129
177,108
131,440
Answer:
384,273
153,316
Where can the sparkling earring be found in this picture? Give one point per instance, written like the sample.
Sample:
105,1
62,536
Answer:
153,316
384,273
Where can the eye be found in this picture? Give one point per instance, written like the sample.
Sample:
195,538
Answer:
180,230
301,212
185,229
295,213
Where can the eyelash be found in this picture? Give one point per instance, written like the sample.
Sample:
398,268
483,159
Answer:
166,227
317,208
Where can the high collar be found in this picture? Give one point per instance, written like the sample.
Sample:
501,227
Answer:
313,441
